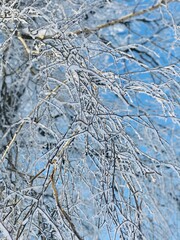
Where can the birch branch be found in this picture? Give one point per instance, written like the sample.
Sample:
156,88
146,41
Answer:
61,210
122,19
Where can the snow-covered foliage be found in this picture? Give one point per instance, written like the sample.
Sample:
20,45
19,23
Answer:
89,119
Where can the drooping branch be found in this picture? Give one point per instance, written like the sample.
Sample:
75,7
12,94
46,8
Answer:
63,213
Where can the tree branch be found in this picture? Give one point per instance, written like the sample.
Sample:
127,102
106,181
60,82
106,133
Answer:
5,231
62,211
122,19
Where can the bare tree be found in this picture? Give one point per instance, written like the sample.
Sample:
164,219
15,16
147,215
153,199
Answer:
89,119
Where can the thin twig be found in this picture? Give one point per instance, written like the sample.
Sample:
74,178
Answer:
62,211
5,232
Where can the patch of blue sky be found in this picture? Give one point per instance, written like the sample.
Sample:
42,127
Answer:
148,104
166,49
112,101
139,76
138,4
168,131
1,38
177,113
142,28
